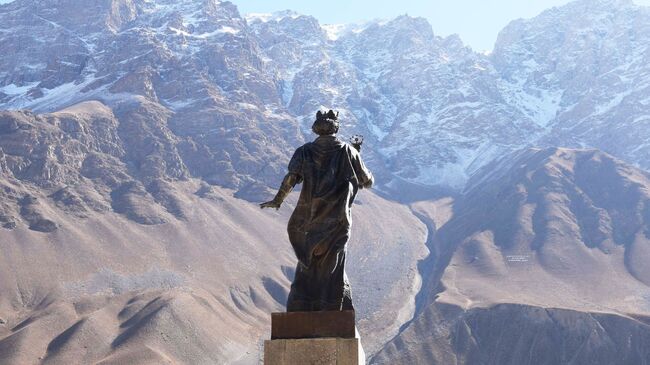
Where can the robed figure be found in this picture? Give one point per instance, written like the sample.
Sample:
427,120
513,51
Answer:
332,173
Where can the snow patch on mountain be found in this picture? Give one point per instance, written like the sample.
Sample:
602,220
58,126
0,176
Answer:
335,31
51,99
268,17
13,89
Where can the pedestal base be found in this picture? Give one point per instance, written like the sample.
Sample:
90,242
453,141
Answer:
308,351
313,338
322,324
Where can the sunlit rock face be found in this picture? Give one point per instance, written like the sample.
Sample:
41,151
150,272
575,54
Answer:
581,71
435,111
189,75
241,91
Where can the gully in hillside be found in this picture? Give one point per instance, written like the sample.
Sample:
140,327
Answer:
332,172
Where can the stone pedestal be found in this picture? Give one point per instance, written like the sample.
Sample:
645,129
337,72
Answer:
323,338
312,351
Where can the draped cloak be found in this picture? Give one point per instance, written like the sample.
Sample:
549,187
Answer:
319,228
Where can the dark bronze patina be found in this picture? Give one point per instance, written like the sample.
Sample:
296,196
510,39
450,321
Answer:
331,172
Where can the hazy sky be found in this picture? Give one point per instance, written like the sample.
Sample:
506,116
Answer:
476,21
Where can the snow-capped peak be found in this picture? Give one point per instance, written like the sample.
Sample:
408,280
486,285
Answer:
335,31
269,17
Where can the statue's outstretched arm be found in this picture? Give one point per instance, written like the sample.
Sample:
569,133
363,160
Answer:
289,181
364,175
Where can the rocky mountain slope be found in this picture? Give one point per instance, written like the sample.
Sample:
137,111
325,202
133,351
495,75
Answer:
544,261
189,70
519,334
240,90
104,289
97,254
435,111
581,71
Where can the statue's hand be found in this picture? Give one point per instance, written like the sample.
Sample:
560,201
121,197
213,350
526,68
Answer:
356,141
271,204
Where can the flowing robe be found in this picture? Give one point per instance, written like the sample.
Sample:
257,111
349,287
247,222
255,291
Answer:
332,172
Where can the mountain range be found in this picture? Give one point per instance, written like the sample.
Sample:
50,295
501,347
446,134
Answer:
136,136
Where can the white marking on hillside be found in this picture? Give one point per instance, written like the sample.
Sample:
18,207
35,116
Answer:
13,89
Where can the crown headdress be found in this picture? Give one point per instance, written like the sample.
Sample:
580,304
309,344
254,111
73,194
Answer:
328,115
326,122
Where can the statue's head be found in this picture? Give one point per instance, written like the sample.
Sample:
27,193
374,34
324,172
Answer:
326,123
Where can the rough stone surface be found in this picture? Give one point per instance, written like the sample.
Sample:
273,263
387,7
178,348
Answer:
287,325
321,351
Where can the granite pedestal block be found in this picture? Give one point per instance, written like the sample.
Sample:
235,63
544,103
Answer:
324,338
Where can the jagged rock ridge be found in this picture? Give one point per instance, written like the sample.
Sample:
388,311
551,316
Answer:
237,91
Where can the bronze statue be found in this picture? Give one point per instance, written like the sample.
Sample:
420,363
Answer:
331,172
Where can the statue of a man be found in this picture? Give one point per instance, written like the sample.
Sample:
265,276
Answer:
332,172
